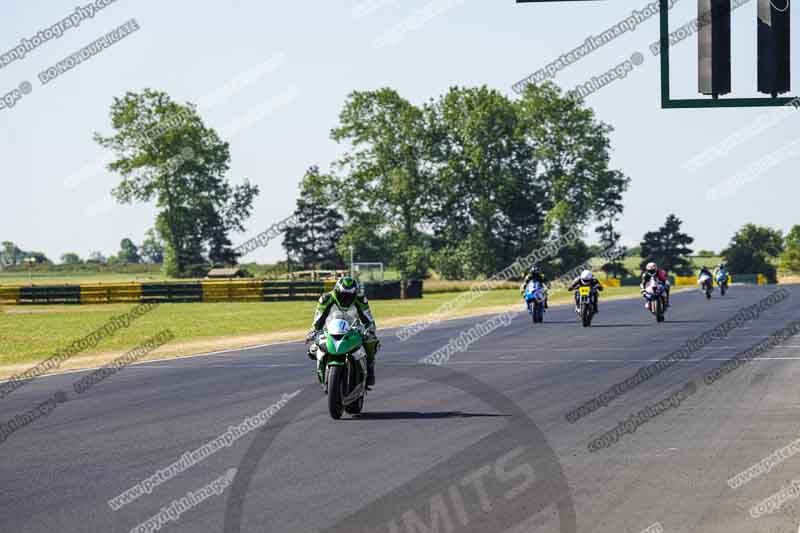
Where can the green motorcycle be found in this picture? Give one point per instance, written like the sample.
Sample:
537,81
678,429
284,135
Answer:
342,364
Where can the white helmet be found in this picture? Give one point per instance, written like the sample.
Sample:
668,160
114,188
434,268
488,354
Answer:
651,267
587,275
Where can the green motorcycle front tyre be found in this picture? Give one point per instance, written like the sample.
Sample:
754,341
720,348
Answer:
335,392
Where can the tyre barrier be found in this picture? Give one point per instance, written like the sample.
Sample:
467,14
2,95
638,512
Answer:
187,292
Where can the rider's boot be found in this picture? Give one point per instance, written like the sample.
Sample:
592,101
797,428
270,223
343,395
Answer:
371,347
370,373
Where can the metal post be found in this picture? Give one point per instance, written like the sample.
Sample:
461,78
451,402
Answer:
30,261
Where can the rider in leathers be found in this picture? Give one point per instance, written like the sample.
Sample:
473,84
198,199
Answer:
347,298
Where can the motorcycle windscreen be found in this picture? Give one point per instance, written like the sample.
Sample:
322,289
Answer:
338,314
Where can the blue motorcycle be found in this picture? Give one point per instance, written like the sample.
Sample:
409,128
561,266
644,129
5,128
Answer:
722,281
534,299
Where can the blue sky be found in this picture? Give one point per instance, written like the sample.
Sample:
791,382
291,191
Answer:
272,76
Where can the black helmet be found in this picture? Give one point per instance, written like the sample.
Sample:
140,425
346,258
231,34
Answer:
345,291
536,269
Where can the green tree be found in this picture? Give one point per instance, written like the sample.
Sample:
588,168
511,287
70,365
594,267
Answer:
609,239
166,154
388,174
11,255
751,250
71,258
313,239
484,206
512,174
790,258
152,248
610,208
569,257
128,252
487,178
668,247
452,262
38,257
705,253
571,154
369,243
412,260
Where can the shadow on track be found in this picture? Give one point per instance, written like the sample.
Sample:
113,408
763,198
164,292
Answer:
622,325
668,321
416,415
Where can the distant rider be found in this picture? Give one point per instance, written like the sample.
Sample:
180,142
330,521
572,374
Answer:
587,279
537,275
704,270
347,298
721,272
652,271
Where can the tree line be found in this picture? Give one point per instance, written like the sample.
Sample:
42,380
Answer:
150,251
462,184
752,250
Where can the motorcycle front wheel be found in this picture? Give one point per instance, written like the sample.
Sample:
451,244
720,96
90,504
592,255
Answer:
586,315
538,313
335,392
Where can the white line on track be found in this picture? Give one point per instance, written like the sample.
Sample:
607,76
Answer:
493,362
146,365
231,366
721,348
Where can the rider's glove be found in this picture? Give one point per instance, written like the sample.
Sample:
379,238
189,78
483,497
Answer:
312,335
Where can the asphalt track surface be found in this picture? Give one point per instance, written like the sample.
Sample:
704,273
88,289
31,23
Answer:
478,444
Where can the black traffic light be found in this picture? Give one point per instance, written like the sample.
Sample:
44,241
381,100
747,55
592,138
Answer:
714,47
773,47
